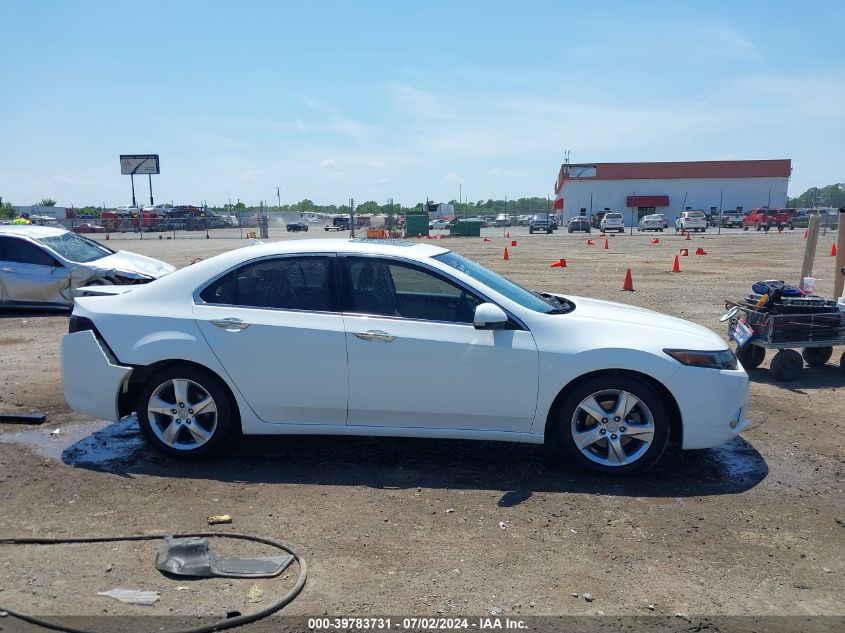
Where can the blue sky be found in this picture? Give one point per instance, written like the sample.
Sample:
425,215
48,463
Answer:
331,100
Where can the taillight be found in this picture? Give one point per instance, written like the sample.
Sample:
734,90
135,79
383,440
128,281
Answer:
80,324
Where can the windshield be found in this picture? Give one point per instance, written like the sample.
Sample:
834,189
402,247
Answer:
613,216
502,285
76,248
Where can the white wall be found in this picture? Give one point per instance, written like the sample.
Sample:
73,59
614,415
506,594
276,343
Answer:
701,193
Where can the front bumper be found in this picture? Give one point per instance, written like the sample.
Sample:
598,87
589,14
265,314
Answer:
713,404
92,379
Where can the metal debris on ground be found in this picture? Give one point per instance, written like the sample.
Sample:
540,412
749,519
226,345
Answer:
132,596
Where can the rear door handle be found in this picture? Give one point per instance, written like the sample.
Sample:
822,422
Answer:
231,324
372,335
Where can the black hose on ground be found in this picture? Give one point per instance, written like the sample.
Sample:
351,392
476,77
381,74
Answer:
219,625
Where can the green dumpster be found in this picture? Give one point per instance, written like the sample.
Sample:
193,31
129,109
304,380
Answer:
416,223
468,227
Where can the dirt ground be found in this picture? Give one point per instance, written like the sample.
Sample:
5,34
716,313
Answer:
425,527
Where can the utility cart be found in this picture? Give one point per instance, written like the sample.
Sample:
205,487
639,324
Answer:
812,324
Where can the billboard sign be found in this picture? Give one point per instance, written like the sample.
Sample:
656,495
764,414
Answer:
139,164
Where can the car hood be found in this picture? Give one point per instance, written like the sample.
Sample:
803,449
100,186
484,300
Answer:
674,332
124,261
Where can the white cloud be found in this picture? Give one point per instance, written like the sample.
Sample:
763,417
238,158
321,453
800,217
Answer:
329,162
451,177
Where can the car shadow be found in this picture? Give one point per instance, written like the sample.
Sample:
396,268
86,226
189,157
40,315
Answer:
32,313
518,470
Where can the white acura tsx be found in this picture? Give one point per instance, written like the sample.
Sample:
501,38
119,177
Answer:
347,337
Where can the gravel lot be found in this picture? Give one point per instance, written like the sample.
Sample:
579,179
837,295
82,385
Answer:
416,526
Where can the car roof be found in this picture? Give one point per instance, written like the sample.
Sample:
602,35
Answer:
31,230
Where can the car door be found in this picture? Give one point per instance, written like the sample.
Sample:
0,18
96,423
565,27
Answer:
275,326
415,359
29,275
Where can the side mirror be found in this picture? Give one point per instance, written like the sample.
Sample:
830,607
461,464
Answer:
489,316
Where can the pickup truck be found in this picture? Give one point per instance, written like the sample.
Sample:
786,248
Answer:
541,222
766,218
727,219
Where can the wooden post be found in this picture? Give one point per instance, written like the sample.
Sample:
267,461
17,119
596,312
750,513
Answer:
810,247
839,277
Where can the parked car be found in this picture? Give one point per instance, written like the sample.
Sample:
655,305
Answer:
801,218
438,224
503,219
295,227
663,218
579,223
540,223
650,223
523,220
691,221
42,267
764,218
89,227
612,221
247,331
338,223
729,218
596,219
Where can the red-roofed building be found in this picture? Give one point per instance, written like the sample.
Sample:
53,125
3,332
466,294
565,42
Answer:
637,189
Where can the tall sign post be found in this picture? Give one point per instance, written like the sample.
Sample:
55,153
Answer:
131,164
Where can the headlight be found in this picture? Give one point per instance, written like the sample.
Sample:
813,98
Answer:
724,359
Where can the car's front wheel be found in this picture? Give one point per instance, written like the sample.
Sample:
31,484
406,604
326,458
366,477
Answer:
186,412
613,425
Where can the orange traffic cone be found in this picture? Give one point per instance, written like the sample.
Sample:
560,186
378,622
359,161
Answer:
513,243
508,234
561,263
655,241
833,250
601,234
687,237
780,230
629,282
807,232
590,243
606,245
700,251
506,256
684,252
107,237
487,239
676,267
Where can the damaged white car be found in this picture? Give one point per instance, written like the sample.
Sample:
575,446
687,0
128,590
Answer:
43,267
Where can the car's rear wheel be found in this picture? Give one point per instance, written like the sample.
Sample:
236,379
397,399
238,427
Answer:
186,412
613,425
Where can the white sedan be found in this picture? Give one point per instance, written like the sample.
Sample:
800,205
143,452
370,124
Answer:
438,224
337,337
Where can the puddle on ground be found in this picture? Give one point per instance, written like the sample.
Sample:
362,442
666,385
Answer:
739,459
90,444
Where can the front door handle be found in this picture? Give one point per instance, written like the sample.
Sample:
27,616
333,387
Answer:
372,335
231,324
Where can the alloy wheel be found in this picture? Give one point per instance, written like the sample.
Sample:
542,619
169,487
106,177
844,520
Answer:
182,414
612,427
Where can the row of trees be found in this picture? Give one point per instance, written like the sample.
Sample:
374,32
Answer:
830,196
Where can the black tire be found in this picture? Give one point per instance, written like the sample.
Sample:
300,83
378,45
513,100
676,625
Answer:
562,433
530,231
750,356
744,227
786,365
790,226
842,363
227,417
817,356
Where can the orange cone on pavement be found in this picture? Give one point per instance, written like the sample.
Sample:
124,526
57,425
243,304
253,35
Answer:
601,234
655,241
780,230
107,237
700,251
561,263
629,282
833,250
606,245
676,267
684,252
487,239
806,232
506,257
590,243
687,237
513,243
508,234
